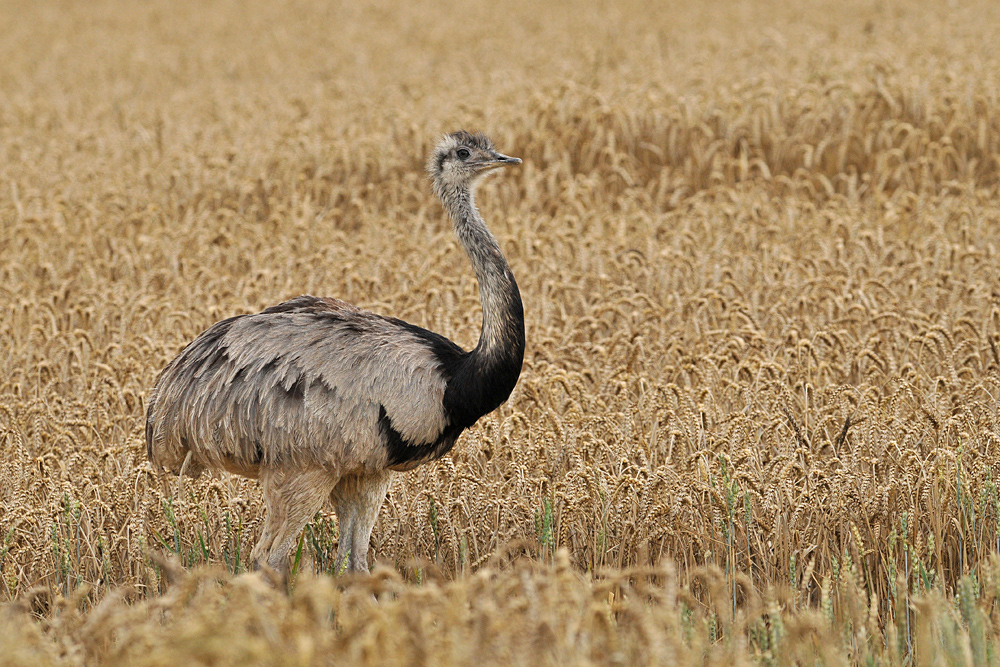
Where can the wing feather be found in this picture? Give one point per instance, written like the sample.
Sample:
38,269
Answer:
303,381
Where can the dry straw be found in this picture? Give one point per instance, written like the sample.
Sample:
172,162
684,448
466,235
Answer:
758,252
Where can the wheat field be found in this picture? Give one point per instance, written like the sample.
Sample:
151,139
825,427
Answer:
759,248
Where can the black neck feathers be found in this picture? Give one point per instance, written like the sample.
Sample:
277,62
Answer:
484,378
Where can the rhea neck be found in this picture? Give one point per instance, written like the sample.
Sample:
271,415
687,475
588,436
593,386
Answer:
495,363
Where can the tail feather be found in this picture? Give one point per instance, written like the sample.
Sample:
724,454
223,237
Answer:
165,452
149,437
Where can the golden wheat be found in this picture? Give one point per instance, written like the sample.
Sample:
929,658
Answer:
759,255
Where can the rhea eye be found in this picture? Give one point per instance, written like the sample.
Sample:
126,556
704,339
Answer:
463,153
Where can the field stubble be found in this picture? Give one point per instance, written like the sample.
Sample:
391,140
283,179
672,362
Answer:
759,260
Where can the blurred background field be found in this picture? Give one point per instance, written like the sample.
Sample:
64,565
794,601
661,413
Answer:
758,247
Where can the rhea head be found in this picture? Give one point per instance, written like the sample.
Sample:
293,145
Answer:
461,159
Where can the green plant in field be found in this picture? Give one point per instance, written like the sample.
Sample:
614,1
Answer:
321,537
66,542
432,517
8,540
171,542
231,547
545,529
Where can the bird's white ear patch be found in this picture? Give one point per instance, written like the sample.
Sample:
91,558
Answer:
435,165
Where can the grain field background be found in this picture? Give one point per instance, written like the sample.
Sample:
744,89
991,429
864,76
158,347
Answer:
758,247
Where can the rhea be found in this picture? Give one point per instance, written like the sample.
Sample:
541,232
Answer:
322,401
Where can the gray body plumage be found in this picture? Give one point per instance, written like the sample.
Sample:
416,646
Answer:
320,399
300,384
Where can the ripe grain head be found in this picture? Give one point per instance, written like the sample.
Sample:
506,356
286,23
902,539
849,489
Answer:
758,256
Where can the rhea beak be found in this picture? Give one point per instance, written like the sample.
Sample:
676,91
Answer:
496,161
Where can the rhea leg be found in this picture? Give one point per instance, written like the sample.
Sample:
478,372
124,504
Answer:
292,498
358,499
